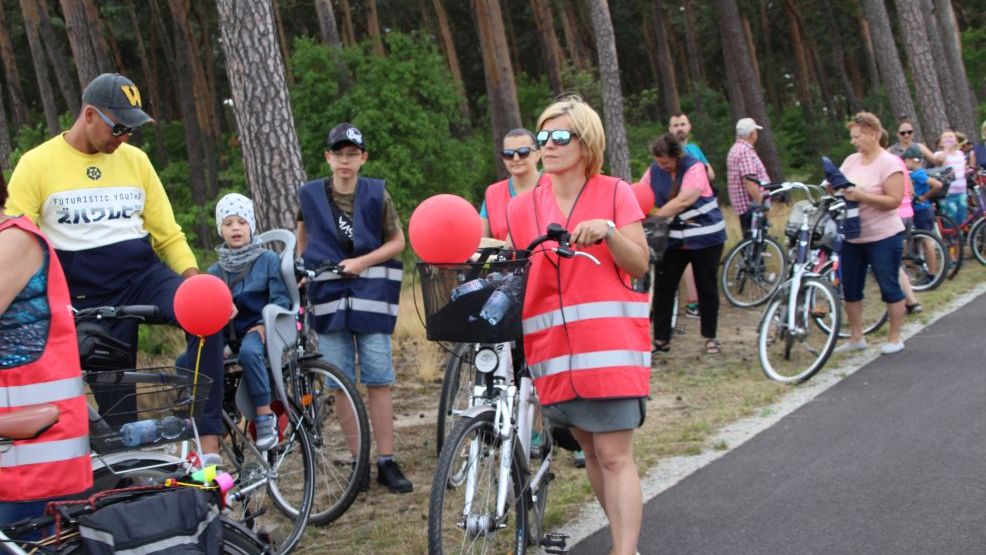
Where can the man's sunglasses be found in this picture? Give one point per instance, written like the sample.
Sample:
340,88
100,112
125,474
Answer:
116,129
906,132
522,152
560,137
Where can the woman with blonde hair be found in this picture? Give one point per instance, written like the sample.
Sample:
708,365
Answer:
586,336
878,181
956,201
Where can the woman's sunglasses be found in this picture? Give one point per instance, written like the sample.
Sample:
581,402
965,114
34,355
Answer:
560,137
906,132
522,152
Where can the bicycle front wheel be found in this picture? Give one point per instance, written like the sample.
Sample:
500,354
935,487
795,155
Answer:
462,519
338,426
456,390
791,347
925,260
977,240
752,272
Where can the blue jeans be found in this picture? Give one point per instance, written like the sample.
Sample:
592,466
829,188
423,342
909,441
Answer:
253,359
376,366
884,256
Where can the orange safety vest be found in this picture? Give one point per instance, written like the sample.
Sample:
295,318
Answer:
57,462
497,198
586,333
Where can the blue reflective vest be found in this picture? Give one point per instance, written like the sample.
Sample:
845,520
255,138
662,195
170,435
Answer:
697,227
367,303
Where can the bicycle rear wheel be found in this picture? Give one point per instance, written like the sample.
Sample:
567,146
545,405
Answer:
752,272
874,310
924,260
338,426
951,236
286,472
463,519
456,390
791,351
977,240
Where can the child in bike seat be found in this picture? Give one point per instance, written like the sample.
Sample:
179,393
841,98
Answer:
254,278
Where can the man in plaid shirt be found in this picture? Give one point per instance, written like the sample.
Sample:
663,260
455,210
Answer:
743,161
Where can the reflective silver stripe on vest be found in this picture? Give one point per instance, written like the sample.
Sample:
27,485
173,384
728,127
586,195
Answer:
38,393
373,272
696,231
704,209
362,305
590,361
107,539
586,311
45,452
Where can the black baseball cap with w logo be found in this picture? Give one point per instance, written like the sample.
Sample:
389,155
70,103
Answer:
119,96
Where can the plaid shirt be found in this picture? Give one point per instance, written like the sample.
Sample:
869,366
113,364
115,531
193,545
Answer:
742,160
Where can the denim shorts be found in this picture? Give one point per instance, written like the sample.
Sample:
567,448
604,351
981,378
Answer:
884,256
924,219
955,205
376,367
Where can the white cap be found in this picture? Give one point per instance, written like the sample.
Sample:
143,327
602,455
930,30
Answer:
746,126
235,204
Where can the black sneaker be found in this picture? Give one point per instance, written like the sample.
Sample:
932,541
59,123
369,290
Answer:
390,475
364,483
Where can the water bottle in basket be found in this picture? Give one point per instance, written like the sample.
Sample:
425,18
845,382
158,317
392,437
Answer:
145,432
501,300
476,285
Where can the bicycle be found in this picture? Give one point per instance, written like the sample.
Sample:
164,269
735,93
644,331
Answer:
977,233
948,231
67,516
924,260
804,309
753,268
485,466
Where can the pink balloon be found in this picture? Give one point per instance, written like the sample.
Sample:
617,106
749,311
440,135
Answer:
445,229
645,196
203,304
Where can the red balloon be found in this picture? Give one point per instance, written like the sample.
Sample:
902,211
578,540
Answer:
203,304
645,196
445,229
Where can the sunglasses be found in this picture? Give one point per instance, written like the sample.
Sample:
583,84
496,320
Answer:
906,132
116,129
522,153
560,137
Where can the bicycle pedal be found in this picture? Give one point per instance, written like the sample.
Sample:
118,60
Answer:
554,542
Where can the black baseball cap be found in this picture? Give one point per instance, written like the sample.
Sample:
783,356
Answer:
345,134
119,96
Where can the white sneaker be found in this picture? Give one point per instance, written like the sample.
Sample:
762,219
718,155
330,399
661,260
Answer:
891,348
851,346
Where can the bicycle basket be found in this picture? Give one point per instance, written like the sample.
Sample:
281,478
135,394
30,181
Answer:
797,215
131,408
474,302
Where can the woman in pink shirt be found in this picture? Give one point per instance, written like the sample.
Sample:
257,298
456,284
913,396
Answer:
878,180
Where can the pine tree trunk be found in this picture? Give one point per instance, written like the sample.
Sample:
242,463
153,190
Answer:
150,87
573,41
508,30
271,152
962,94
922,66
946,82
5,147
330,36
66,82
104,56
696,65
888,60
647,29
839,57
800,57
30,10
544,21
163,37
282,41
373,27
770,80
738,56
348,29
18,108
669,85
869,50
448,46
752,47
500,86
617,147
87,65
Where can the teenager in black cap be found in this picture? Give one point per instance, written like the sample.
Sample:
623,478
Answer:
350,220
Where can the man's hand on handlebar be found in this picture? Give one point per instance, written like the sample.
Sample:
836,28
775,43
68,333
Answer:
589,232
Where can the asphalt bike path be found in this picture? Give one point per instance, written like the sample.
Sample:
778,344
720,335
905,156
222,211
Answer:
892,459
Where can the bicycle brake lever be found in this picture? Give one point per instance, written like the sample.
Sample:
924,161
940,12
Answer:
568,253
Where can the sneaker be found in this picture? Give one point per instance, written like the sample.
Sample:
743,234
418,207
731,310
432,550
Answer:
851,346
691,310
579,459
891,348
364,483
266,425
390,475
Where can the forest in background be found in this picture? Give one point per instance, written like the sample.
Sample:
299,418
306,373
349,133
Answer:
244,92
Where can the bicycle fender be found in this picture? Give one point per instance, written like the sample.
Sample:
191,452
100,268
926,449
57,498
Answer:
475,411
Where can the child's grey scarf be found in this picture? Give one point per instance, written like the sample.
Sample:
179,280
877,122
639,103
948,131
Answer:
236,260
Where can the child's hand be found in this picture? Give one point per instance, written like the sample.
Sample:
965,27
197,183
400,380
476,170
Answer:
233,313
353,266
259,328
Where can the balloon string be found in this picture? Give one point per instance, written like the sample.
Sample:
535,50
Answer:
195,378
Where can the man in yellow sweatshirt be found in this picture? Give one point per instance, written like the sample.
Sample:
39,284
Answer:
103,207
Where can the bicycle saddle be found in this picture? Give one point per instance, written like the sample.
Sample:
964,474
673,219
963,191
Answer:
28,422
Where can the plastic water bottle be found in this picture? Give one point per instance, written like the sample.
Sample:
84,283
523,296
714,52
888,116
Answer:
144,432
501,300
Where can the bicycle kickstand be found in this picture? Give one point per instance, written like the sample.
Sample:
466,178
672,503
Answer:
555,543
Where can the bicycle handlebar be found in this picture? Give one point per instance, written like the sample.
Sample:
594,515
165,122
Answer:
147,313
556,232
